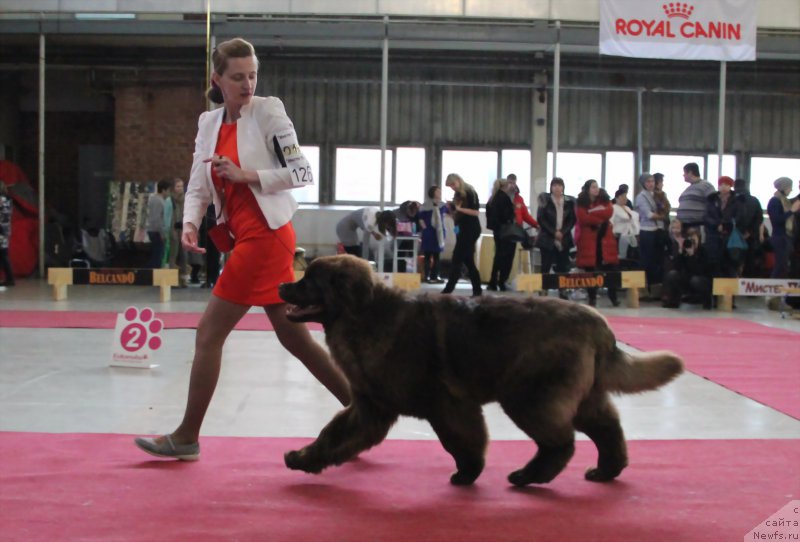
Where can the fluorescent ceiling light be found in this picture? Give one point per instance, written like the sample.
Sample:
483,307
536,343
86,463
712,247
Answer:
104,16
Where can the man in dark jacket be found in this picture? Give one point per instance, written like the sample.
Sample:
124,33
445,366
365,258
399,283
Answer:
749,217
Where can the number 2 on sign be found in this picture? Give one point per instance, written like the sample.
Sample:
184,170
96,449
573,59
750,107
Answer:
132,338
302,175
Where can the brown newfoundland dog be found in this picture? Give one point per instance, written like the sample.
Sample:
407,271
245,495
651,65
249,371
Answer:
549,363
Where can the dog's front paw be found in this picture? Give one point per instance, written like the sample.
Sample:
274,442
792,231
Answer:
524,477
463,479
519,478
594,474
299,460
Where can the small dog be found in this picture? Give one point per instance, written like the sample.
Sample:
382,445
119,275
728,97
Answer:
549,363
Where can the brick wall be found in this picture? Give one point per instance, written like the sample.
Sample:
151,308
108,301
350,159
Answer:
65,132
154,131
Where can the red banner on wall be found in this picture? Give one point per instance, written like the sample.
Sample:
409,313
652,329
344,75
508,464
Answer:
699,30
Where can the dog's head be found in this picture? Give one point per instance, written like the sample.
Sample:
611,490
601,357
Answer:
331,286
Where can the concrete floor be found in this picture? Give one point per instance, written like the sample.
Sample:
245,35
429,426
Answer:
59,380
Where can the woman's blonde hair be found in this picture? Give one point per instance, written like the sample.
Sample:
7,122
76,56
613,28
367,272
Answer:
499,184
456,177
235,48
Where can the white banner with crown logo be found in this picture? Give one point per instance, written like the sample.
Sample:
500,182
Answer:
698,30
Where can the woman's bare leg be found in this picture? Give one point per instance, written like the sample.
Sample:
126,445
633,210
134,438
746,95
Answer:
297,340
219,318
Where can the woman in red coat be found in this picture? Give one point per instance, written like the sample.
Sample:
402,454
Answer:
597,246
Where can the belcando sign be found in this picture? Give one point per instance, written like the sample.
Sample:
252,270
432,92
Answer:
699,30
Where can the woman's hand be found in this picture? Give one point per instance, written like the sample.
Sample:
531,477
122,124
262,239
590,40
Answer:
229,171
189,239
377,236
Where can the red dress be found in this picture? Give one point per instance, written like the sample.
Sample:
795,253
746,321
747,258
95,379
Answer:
261,258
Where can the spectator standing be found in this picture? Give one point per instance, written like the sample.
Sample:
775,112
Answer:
597,247
169,213
431,221
155,223
625,224
177,254
499,214
652,234
625,189
556,217
780,211
5,235
720,215
521,213
662,201
749,217
693,201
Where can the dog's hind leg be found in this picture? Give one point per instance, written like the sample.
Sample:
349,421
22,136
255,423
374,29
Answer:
598,419
353,430
462,431
538,413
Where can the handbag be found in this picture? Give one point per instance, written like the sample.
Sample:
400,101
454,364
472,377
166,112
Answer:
735,240
222,238
221,234
513,233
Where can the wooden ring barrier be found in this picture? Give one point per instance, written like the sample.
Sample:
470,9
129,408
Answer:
725,289
632,280
405,281
61,277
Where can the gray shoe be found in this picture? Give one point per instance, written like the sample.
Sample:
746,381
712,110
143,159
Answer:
184,452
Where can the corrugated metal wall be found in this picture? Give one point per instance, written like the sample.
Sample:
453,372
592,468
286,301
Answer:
344,108
338,102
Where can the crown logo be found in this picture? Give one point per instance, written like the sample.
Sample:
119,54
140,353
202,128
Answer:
678,9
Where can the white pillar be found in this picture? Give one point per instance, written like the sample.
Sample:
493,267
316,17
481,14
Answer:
556,92
639,136
41,154
538,139
384,106
723,72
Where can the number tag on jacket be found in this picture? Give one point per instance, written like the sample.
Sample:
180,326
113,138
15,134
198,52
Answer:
290,155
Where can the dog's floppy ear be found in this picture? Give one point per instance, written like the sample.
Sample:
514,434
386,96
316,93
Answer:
351,282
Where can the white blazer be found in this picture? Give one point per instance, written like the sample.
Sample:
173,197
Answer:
625,221
267,144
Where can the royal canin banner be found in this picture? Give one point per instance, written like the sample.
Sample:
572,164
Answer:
699,30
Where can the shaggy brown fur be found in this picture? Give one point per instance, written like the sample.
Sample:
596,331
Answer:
549,363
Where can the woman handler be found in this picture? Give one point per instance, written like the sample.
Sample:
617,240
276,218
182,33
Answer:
246,160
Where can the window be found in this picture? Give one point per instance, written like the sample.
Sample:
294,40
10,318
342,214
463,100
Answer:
764,171
575,168
620,169
671,165
309,194
518,162
728,167
478,168
358,175
410,175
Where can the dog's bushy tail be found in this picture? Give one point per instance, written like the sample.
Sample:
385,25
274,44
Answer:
633,373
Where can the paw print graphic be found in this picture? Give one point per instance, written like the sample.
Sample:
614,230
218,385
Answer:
142,330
